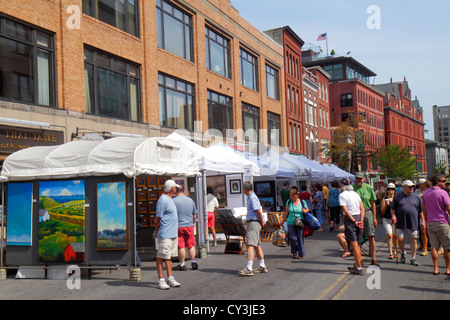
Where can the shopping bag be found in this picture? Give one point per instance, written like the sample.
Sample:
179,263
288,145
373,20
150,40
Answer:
280,238
312,221
307,231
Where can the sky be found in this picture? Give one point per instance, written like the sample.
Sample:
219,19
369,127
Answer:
407,39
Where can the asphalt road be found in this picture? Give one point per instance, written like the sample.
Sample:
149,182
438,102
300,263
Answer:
321,275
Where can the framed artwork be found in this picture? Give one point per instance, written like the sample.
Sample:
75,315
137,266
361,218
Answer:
151,182
20,214
161,181
182,181
112,222
160,192
144,220
61,221
141,195
152,207
235,186
142,208
141,182
152,221
219,187
152,195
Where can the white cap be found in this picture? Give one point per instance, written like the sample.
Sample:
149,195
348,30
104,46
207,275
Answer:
169,184
390,186
422,180
408,183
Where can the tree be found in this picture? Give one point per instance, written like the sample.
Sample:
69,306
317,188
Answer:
346,148
396,162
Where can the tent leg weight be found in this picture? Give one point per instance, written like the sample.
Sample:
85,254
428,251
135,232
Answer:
135,274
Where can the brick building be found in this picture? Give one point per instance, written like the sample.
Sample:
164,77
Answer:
403,120
135,67
292,46
352,95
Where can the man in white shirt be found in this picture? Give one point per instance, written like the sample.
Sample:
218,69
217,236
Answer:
353,210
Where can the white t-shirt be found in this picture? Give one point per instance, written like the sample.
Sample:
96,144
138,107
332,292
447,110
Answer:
212,203
351,200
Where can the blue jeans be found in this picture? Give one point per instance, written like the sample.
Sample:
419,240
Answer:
296,240
320,215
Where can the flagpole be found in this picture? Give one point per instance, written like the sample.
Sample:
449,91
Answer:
327,44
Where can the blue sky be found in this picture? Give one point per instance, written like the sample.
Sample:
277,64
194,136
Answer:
111,206
413,40
61,188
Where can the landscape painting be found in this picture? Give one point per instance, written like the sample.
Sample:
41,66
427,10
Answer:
112,216
61,221
20,213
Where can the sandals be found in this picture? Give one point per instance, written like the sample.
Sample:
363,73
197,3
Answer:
346,255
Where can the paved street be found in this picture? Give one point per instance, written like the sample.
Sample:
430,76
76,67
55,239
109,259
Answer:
321,275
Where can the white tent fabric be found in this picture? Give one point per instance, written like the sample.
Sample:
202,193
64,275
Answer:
320,172
341,173
300,170
215,161
269,164
128,156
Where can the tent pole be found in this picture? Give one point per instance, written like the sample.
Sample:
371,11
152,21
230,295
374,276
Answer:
134,222
205,212
3,225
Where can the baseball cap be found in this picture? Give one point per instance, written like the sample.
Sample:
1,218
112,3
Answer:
169,184
345,182
422,180
391,186
359,175
408,183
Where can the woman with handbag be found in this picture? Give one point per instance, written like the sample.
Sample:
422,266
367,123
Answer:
295,218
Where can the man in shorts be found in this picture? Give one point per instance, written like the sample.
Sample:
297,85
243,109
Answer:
211,206
166,231
187,214
353,210
406,209
436,209
368,199
255,223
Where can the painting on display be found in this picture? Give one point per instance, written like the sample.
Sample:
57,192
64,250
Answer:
112,216
20,214
61,221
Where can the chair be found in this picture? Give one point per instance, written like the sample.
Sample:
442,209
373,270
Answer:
232,226
274,219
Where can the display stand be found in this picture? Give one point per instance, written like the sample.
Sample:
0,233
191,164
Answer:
232,226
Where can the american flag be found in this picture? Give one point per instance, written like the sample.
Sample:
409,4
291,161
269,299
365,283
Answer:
322,36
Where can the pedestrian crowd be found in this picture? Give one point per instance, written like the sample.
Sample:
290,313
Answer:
418,212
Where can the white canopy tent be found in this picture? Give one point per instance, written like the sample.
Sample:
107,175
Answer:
128,156
340,173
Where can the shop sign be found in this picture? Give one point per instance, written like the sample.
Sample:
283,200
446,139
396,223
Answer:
13,139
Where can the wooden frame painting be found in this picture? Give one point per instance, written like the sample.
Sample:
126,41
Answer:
151,182
61,221
19,214
112,217
161,181
141,182
152,208
182,181
152,195
235,186
141,195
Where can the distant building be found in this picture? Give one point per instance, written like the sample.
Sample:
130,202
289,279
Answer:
437,157
441,124
43,215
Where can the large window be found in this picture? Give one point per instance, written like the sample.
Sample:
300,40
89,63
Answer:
250,122
249,70
274,126
122,14
112,86
174,30
346,100
335,71
27,67
217,53
176,103
220,112
272,83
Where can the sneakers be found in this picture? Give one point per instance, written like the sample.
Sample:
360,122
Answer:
180,268
171,283
194,265
402,258
414,262
246,272
354,270
261,269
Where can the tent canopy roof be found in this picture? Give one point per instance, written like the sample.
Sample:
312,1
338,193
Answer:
122,155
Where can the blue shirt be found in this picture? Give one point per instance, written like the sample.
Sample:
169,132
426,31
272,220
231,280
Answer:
186,210
253,205
167,211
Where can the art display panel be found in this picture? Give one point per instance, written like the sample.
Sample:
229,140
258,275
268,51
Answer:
112,228
61,221
20,214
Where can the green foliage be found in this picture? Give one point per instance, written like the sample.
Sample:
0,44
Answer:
396,162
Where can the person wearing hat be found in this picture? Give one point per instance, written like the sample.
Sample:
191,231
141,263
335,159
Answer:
353,211
166,231
389,227
368,198
406,210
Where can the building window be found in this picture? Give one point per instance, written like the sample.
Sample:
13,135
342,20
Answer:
249,70
335,71
220,112
272,83
346,100
217,53
176,103
274,128
27,64
174,30
122,14
250,122
112,86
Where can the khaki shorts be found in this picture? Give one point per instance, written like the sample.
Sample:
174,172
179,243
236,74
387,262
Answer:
167,248
439,235
253,233
369,228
